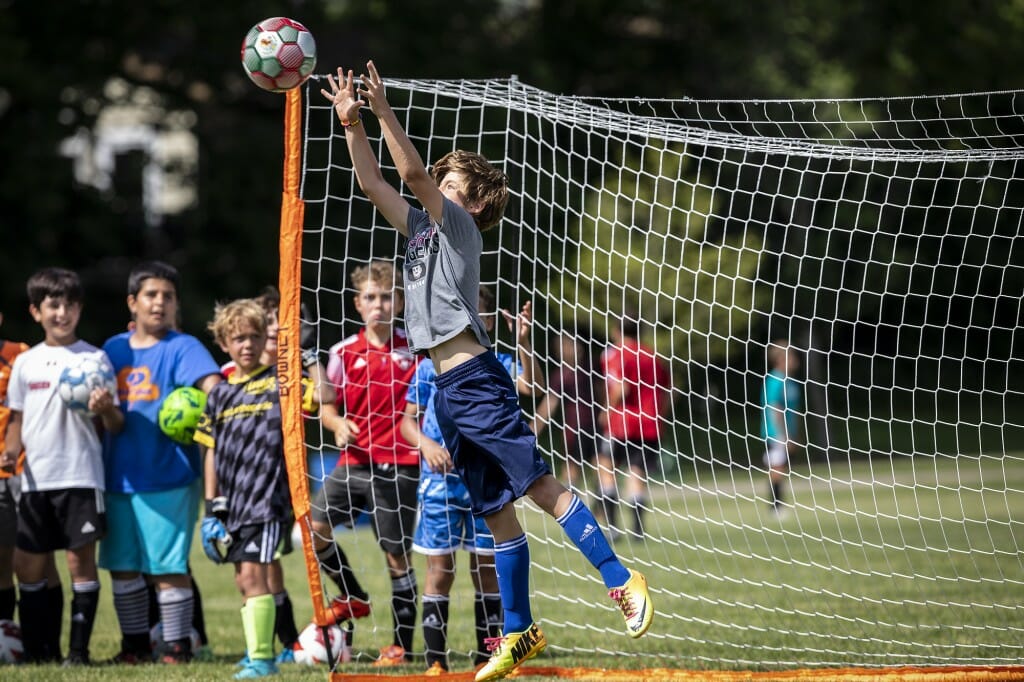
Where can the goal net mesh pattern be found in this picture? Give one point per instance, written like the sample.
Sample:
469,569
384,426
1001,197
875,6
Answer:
881,237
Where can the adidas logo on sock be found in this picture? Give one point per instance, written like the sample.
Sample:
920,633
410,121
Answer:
588,530
432,621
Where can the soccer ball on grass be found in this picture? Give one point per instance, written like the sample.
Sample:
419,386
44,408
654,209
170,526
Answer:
180,413
278,54
310,649
11,649
79,378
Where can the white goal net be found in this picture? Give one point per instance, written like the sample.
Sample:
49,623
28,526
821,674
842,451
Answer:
880,237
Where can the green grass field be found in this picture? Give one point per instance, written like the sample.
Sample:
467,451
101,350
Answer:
883,562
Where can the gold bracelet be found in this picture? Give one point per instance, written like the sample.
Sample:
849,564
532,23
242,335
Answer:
352,124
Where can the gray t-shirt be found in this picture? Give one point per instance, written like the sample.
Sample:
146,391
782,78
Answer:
442,278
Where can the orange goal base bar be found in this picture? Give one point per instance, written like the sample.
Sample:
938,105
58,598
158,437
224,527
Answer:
901,674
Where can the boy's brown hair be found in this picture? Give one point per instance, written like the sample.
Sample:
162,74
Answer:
486,185
55,283
269,299
229,317
380,272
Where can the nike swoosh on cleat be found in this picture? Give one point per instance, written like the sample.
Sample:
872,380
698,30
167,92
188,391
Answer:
640,618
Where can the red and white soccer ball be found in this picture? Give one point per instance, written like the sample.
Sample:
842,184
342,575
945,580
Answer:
11,649
311,649
278,54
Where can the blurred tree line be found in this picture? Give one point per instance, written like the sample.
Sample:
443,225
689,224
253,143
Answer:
72,63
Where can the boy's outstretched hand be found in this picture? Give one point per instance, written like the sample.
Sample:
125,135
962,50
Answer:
373,90
343,96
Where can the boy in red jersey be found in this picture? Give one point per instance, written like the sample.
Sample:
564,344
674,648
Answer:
378,470
637,385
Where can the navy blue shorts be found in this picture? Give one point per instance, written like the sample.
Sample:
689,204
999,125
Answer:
492,446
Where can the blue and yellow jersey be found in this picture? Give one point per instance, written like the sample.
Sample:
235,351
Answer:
242,424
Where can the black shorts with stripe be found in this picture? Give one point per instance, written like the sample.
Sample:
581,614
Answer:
50,520
257,543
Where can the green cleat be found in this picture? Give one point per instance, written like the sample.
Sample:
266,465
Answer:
511,651
635,603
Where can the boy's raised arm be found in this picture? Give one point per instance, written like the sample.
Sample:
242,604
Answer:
407,160
386,198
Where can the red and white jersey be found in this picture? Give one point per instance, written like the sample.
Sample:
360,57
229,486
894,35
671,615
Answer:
645,382
371,382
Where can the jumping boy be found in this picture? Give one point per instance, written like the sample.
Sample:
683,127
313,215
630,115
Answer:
491,445
247,497
153,486
446,521
61,503
378,469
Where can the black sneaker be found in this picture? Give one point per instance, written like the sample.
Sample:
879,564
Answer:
75,659
126,657
179,651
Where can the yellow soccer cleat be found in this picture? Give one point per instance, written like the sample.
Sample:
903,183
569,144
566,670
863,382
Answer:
635,603
511,651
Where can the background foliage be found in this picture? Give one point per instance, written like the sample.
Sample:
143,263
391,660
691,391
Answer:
184,54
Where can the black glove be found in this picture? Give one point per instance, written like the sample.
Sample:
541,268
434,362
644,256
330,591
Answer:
307,328
218,508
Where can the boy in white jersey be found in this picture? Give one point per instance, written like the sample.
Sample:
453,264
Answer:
61,504
491,445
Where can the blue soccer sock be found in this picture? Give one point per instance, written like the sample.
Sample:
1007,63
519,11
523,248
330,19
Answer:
579,524
512,563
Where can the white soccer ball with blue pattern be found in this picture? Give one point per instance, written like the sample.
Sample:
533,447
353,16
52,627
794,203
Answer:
78,380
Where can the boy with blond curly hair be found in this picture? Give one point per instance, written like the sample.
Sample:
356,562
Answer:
248,503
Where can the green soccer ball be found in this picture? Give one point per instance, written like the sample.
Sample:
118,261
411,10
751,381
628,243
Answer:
180,413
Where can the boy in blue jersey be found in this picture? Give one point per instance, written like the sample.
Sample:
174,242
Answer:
152,483
446,521
246,484
492,447
780,405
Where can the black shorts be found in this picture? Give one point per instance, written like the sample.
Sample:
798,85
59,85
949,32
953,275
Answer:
258,543
49,520
10,493
387,493
644,455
